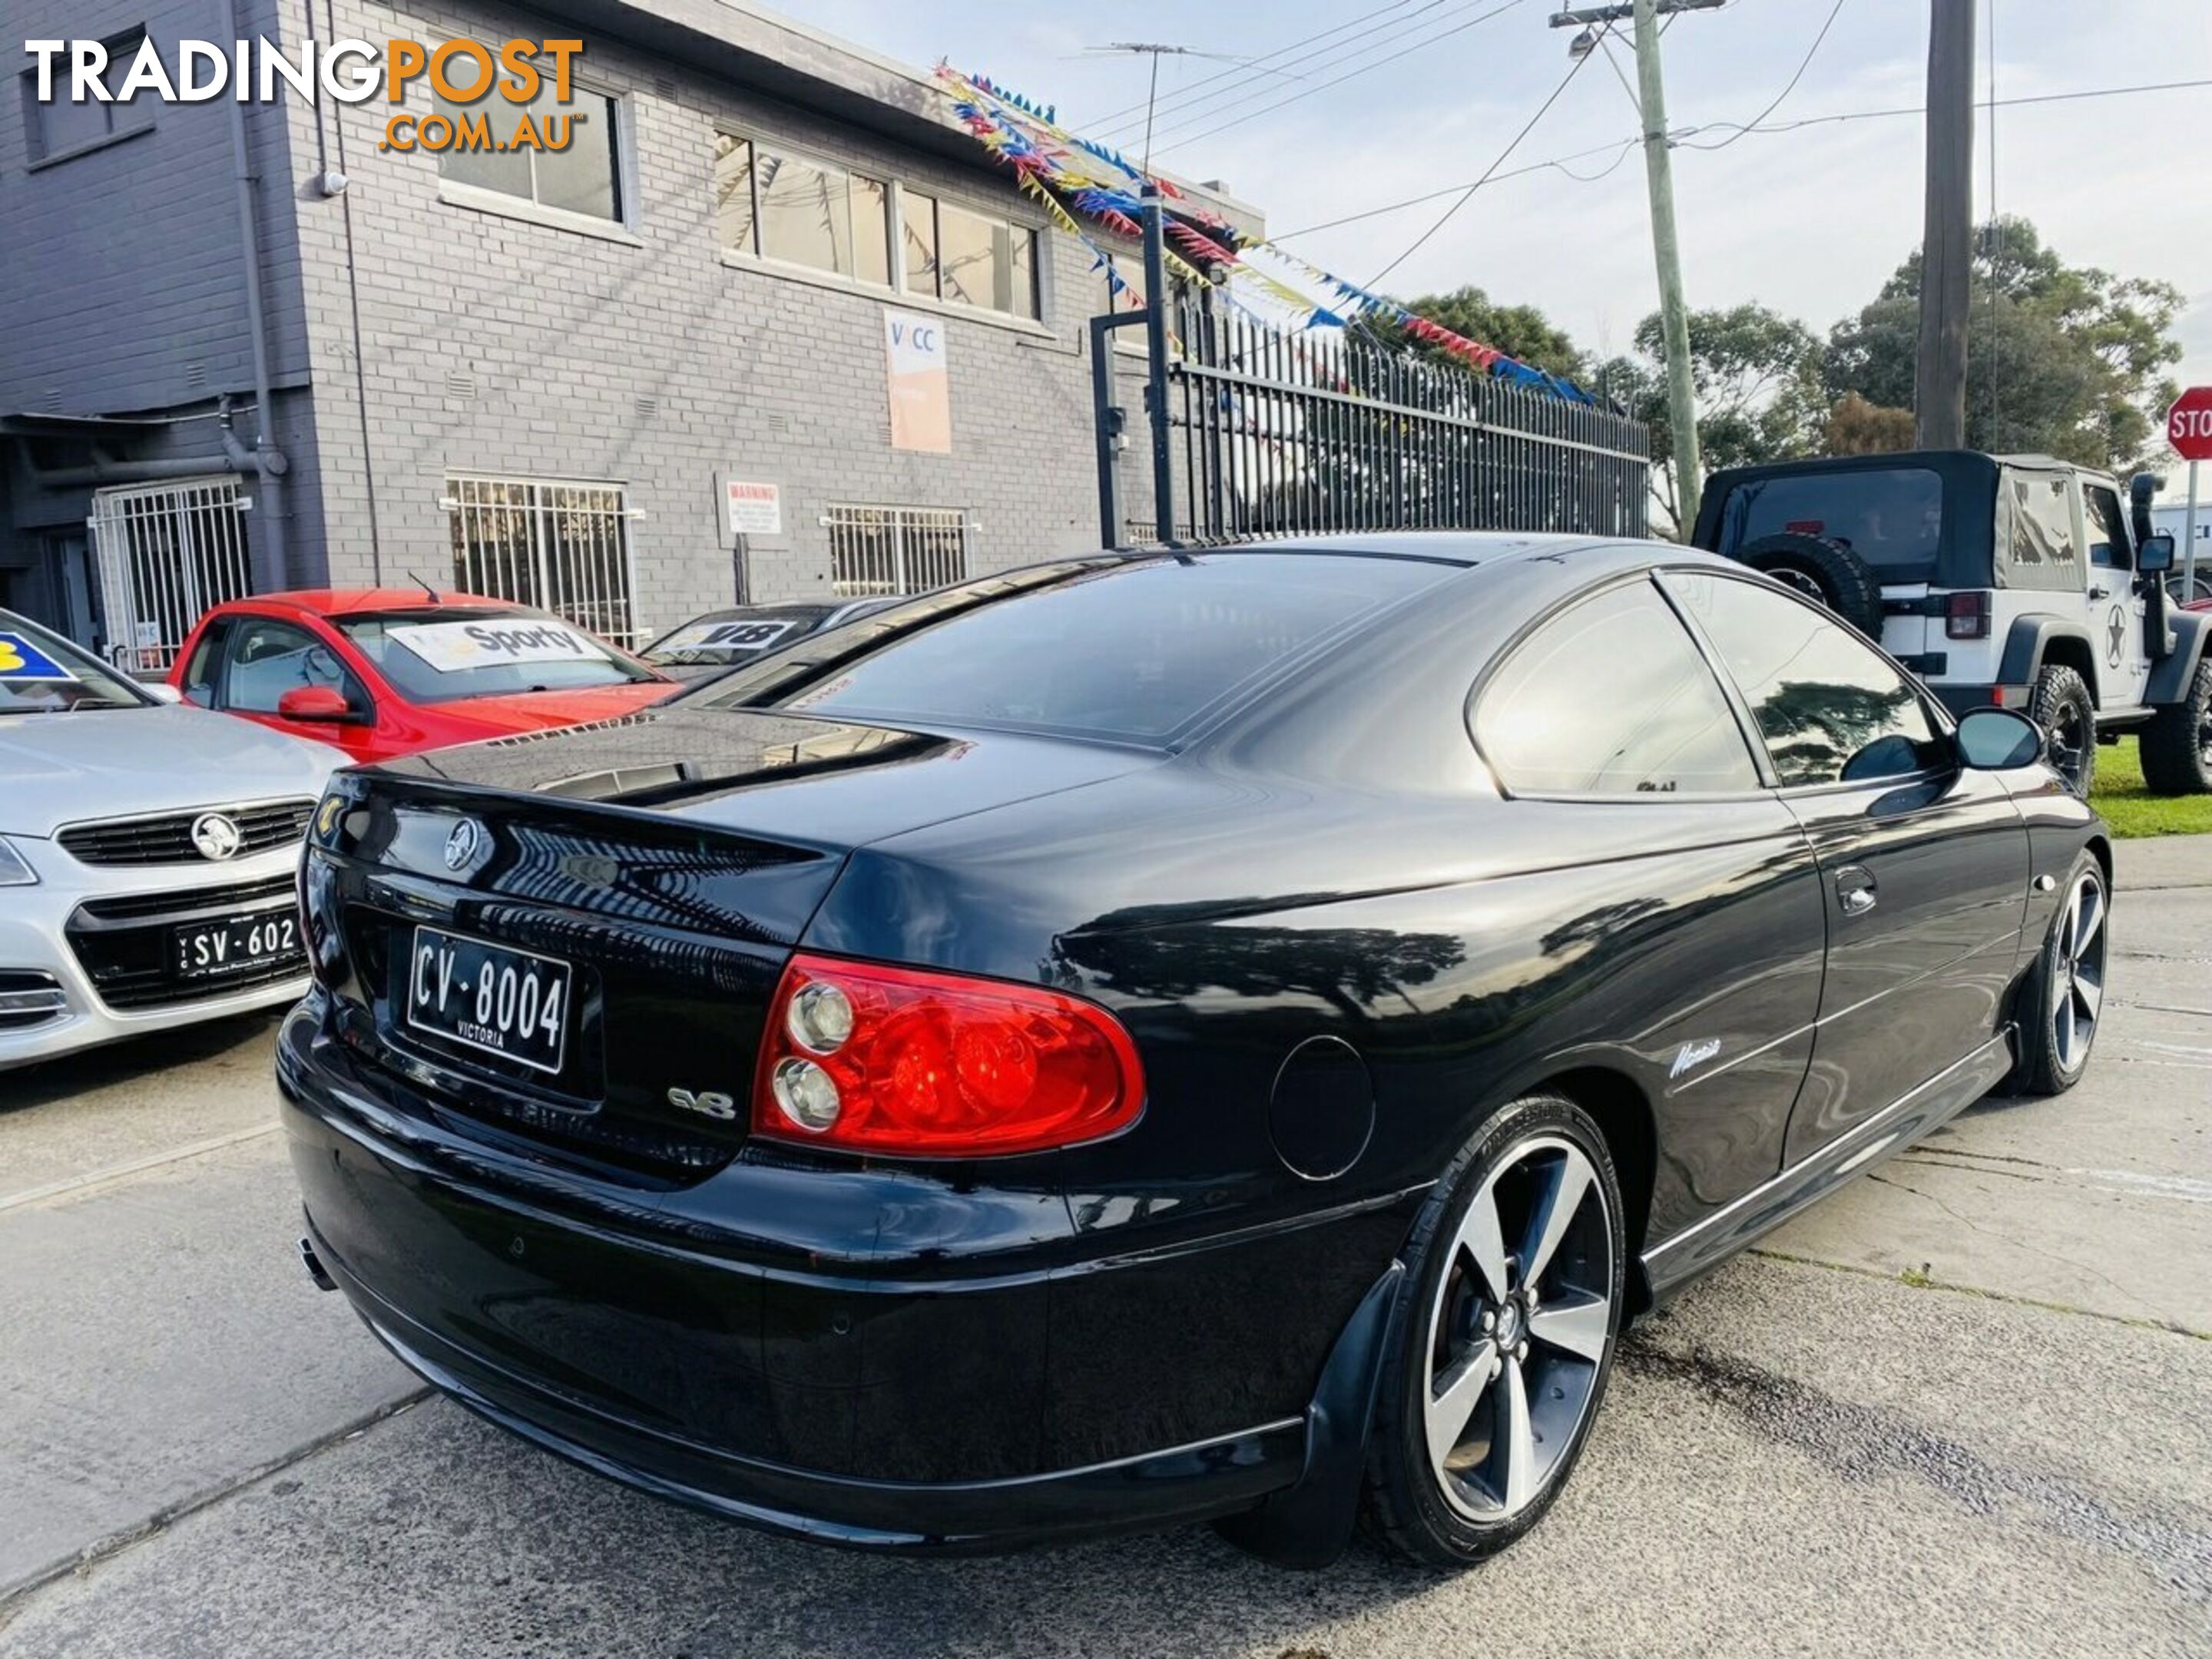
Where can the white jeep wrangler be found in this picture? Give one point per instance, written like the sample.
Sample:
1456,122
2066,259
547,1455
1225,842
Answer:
2013,580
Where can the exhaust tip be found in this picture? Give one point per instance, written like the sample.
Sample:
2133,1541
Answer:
313,1264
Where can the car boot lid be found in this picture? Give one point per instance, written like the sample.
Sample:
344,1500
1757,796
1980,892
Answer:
743,769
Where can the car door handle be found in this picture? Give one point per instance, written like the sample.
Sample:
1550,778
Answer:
1855,889
2101,593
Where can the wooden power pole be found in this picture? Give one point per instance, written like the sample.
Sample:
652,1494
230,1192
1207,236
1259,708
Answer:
1674,315
1947,243
1666,249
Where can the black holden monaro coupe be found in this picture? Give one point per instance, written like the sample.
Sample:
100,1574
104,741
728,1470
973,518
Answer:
1224,1034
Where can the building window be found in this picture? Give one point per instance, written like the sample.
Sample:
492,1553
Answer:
895,550
584,177
63,125
967,258
561,545
806,213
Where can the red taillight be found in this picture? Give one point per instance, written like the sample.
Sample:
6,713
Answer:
874,1059
1966,616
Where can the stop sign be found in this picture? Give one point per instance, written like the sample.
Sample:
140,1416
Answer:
2189,424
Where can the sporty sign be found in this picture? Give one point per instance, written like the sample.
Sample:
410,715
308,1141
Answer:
1230,1034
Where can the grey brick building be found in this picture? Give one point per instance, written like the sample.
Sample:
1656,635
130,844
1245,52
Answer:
528,377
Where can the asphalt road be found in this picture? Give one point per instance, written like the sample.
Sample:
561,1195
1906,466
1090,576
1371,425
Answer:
1965,1407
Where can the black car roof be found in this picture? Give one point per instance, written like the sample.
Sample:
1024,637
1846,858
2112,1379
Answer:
1461,547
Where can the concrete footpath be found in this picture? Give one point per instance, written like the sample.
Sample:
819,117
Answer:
1965,1405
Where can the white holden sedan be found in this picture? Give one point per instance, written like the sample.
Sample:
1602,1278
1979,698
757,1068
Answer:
147,854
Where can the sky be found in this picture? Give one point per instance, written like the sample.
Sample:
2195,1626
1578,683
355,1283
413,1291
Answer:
1427,94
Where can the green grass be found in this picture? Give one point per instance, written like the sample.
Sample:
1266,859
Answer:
2132,810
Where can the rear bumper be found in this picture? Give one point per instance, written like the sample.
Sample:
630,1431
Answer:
922,1405
1161,1489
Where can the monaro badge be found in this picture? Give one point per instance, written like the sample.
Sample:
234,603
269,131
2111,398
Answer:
467,840
1694,1054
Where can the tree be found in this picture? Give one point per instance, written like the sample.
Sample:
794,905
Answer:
1521,331
2065,360
1857,426
1757,374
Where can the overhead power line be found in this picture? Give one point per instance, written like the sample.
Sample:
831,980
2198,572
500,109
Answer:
1245,71
1574,68
1618,151
1811,52
1921,109
1323,85
1681,136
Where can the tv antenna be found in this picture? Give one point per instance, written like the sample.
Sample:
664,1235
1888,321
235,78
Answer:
1157,49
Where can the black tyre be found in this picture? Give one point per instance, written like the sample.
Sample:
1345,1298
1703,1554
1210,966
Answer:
2176,744
1498,1351
2063,1002
2059,703
1823,570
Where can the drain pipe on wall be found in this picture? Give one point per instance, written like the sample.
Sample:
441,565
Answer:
353,299
268,461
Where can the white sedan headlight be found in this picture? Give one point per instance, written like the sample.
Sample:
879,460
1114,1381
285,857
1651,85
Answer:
14,871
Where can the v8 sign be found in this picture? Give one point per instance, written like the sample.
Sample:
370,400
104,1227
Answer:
2189,424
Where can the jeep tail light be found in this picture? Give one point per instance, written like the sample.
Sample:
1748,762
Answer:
1966,616
905,1061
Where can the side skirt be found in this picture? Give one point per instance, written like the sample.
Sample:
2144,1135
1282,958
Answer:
1673,1264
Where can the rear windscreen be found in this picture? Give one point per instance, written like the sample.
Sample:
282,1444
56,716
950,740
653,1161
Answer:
1889,517
1135,651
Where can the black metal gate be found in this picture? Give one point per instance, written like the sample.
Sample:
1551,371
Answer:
1275,433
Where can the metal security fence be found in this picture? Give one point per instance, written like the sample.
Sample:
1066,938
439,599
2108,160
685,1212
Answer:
164,553
1307,433
895,550
558,544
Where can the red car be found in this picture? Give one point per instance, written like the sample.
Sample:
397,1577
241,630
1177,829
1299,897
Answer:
386,671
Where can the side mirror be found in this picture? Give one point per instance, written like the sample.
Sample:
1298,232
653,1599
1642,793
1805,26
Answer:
2156,556
161,691
1998,739
315,702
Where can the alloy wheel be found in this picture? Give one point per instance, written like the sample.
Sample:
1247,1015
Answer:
1518,1333
2078,981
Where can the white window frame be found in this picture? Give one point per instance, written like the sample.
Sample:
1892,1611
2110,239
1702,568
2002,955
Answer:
552,594
960,309
483,198
895,209
163,553
903,523
755,257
